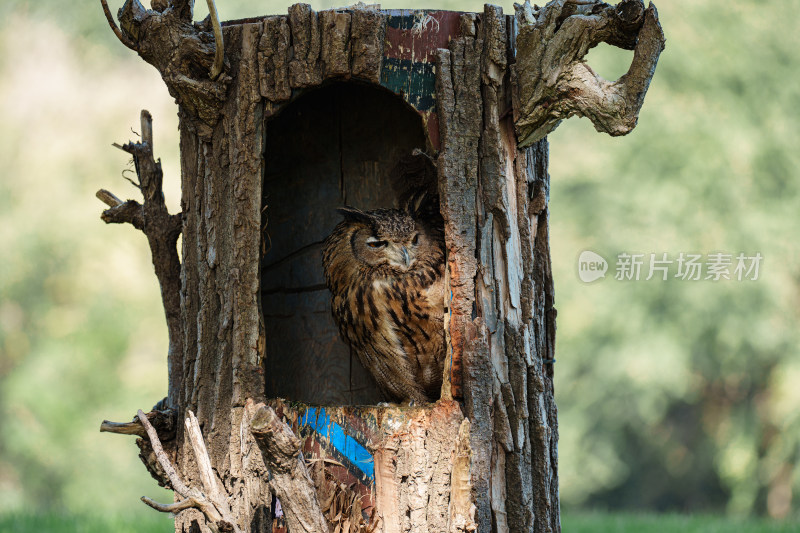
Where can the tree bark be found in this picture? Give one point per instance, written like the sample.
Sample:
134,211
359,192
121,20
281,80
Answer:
502,318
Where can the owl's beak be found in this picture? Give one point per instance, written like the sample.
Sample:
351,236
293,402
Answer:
406,258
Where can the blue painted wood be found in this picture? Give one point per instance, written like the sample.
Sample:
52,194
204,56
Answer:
356,454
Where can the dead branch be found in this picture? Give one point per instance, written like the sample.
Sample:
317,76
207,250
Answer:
211,484
163,419
212,502
162,230
553,80
176,507
123,428
290,481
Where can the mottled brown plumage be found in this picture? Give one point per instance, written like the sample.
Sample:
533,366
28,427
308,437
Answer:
385,269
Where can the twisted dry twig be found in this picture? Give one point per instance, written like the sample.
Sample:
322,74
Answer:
110,18
219,53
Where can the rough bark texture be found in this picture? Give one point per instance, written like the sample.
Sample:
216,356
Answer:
221,183
420,457
501,311
485,456
184,53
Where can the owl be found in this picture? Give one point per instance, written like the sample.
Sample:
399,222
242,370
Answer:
385,269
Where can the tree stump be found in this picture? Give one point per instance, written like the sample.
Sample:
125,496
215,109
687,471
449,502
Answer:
283,119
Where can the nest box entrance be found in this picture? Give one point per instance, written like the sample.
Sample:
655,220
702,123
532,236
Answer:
341,144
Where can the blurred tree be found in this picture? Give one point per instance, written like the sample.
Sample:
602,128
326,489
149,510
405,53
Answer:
674,394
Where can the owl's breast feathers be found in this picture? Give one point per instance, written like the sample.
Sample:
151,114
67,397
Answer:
395,322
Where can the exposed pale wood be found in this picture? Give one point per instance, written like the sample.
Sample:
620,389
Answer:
458,92
462,506
177,483
176,507
209,479
421,459
213,502
488,463
507,388
108,198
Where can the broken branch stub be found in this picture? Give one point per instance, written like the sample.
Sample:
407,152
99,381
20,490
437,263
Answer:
553,80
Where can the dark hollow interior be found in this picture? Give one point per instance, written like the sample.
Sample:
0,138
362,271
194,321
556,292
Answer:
333,146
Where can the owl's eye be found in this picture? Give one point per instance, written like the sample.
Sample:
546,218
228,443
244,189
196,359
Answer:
376,244
415,240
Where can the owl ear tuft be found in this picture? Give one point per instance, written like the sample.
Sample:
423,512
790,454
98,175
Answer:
416,203
352,214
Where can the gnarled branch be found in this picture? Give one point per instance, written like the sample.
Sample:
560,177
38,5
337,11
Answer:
163,419
553,80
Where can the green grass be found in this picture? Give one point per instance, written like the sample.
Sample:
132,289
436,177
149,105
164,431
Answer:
146,522
598,522
592,522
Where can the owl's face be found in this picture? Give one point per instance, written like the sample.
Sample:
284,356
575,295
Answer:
388,238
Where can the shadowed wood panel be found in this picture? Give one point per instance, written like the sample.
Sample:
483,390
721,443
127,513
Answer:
332,146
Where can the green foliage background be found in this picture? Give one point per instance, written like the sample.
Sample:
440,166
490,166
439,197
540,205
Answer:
673,395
